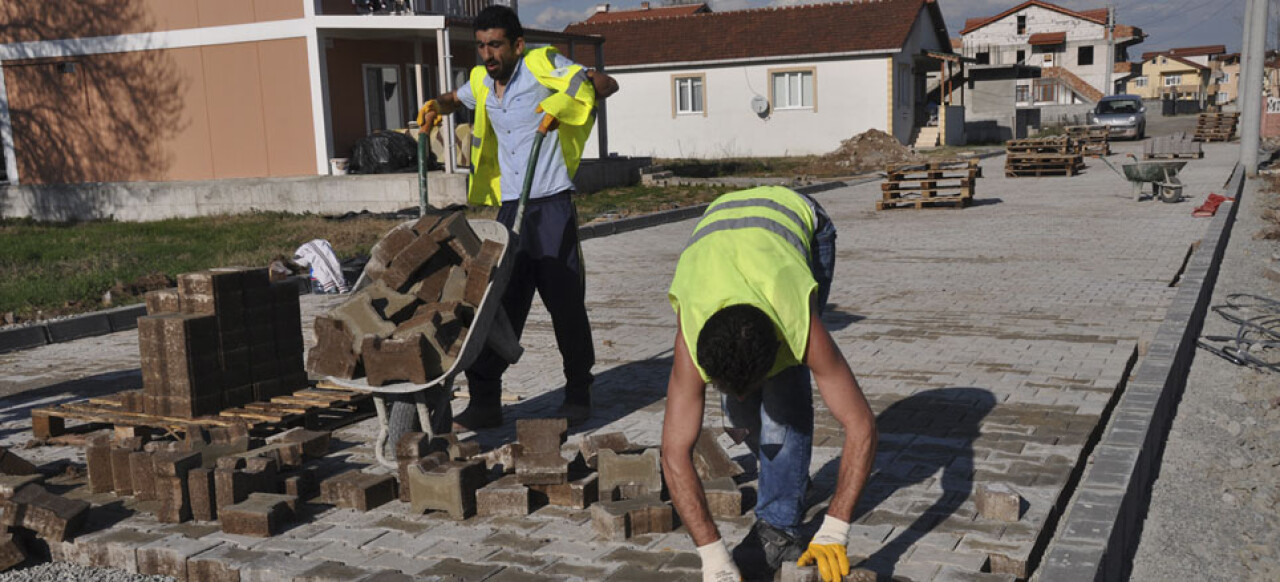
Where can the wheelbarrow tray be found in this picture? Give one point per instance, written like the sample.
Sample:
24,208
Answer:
1152,170
481,323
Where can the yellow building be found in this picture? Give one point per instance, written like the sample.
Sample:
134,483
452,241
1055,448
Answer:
1168,75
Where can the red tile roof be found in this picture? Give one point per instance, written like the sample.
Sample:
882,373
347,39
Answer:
1098,16
1040,38
1190,51
651,12
843,27
1179,59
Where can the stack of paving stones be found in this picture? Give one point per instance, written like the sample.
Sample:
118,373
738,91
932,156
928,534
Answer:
29,514
222,339
410,323
210,475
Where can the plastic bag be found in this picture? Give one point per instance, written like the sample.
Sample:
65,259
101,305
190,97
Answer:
385,152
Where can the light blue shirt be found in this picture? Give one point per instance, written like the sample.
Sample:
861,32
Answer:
515,119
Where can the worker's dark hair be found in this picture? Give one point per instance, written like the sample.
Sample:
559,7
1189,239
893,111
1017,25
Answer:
737,347
498,16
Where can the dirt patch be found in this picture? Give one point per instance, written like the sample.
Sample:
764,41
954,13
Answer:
870,151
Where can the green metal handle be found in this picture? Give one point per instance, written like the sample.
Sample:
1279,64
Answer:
543,128
422,171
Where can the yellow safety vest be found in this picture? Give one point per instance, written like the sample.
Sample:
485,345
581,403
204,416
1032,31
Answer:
750,247
572,102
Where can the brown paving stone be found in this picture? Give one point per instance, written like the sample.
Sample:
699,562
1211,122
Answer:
52,517
168,556
629,475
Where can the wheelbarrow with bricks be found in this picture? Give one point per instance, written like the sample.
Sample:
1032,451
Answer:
1161,174
490,327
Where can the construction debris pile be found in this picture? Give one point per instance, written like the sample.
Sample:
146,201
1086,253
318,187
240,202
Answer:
871,150
222,339
410,323
29,514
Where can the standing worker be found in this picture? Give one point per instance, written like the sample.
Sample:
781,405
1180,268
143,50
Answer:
748,292
510,94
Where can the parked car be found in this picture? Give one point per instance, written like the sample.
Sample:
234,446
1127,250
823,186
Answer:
1124,116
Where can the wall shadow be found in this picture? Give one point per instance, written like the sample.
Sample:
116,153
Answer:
922,435
96,118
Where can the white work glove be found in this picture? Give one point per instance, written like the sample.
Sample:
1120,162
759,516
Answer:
717,564
827,549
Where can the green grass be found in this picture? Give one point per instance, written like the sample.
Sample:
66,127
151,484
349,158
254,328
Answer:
55,269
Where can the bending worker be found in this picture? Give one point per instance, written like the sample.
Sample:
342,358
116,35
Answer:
510,93
748,292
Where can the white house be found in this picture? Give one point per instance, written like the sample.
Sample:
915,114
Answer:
1069,46
791,80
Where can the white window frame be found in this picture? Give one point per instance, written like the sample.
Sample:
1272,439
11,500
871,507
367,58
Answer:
797,73
364,81
1173,80
1140,81
687,80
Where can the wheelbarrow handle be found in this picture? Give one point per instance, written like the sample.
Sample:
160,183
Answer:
544,128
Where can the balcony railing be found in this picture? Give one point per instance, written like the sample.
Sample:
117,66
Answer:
450,8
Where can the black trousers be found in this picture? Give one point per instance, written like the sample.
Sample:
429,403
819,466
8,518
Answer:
548,260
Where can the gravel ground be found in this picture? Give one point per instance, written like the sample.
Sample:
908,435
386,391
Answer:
64,572
1215,508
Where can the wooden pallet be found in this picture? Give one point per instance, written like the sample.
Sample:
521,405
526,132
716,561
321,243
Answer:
1047,145
321,408
1173,155
1019,166
1091,140
956,202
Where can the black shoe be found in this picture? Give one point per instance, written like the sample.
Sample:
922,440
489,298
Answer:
478,417
764,550
576,414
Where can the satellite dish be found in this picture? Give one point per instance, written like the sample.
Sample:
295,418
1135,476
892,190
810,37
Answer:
760,105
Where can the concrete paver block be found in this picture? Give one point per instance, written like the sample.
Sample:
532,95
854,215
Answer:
200,492
332,572
358,490
619,520
142,475
998,501
392,305
276,568
542,468
315,443
121,472
576,494
360,319
168,556
334,353
629,475
406,360
710,459
724,499
449,487
541,435
121,548
506,496
503,458
11,552
52,517
261,515
97,454
593,444
220,564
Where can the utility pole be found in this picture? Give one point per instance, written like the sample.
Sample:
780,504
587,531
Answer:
1110,86
1253,59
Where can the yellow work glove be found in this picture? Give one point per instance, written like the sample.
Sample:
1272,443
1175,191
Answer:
827,549
717,564
432,107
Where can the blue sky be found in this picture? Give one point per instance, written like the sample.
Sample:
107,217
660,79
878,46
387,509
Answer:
1168,23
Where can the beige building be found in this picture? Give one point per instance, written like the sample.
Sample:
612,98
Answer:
1172,76
179,90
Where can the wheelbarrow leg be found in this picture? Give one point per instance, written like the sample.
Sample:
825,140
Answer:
435,414
1137,190
380,445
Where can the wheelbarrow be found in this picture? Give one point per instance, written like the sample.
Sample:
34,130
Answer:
1161,174
489,327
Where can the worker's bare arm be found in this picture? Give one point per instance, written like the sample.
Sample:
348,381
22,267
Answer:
844,398
680,428
603,83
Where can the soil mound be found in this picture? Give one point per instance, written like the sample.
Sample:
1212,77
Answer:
871,151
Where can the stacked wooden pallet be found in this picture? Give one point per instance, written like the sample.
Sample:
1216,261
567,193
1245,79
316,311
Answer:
1049,156
1172,147
1217,126
947,182
1091,140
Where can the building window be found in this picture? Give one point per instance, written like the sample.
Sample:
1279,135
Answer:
1045,91
1172,80
382,89
1022,24
1022,57
1140,81
1222,98
983,58
688,98
1023,93
902,85
792,89
1084,56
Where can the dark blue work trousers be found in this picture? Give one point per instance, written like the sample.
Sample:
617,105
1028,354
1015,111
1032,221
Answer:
548,259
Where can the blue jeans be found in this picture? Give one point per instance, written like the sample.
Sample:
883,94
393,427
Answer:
779,417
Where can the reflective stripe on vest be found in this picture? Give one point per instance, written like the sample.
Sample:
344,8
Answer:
760,257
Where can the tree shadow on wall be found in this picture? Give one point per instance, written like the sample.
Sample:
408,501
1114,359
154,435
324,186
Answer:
90,118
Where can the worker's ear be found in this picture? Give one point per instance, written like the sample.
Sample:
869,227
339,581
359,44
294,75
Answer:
519,45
